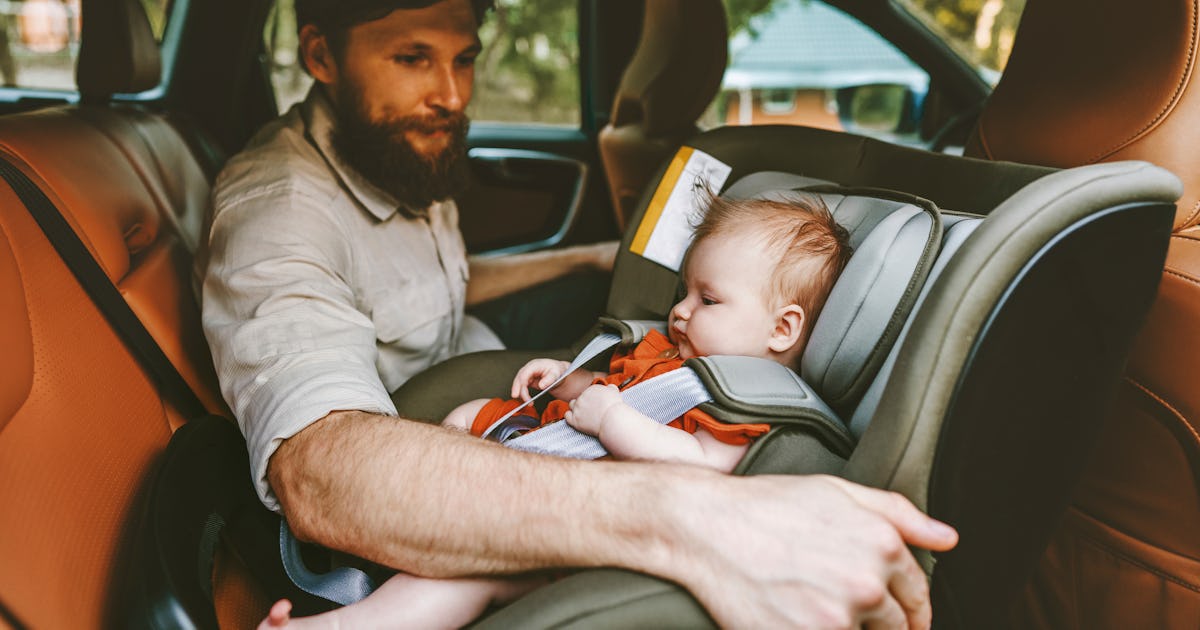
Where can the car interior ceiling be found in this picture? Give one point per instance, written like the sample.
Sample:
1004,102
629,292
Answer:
134,180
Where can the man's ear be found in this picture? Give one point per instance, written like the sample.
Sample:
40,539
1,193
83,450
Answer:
789,328
314,48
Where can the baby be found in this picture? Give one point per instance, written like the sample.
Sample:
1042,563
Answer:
756,276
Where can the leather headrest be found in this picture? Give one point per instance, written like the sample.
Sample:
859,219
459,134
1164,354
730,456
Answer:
1100,80
677,68
118,52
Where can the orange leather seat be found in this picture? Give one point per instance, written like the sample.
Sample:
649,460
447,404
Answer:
141,220
81,426
1083,86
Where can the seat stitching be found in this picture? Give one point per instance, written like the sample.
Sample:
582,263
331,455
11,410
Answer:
1183,81
1195,212
1186,237
1136,562
1167,405
1182,276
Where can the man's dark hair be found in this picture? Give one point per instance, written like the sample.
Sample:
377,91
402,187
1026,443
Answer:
333,14
334,17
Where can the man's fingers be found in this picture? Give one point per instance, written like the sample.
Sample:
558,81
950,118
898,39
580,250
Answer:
914,526
890,615
910,589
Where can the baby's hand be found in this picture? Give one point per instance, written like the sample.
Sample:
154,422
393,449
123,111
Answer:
539,373
587,411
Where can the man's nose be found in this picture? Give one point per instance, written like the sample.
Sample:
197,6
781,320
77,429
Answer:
446,93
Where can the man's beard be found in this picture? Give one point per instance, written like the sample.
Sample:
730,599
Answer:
380,152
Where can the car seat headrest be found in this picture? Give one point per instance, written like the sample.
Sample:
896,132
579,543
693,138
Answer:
1069,96
118,52
895,239
957,229
871,300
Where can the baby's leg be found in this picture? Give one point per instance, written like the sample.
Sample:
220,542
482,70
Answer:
411,602
463,415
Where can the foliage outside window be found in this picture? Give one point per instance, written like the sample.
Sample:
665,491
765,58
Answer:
982,31
527,72
39,41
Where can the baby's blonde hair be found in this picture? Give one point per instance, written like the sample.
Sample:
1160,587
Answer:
810,248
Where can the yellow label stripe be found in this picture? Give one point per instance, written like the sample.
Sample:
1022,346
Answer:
659,200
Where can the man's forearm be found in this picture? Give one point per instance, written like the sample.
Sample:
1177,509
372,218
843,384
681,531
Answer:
437,503
756,552
498,276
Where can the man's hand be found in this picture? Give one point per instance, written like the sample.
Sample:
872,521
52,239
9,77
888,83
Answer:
810,552
590,407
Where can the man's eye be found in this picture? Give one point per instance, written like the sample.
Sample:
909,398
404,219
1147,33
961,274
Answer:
465,62
408,60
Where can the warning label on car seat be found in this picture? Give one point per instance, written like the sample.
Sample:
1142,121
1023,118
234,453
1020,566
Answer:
677,206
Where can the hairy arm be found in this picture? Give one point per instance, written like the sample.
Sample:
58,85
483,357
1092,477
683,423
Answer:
761,551
494,277
409,498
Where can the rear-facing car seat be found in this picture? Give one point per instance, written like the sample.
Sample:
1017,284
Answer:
981,413
1128,551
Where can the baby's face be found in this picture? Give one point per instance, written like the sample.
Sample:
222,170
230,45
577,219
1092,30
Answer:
726,309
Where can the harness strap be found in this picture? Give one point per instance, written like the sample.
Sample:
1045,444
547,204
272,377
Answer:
598,344
343,585
662,398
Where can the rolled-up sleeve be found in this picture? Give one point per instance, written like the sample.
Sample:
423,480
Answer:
288,342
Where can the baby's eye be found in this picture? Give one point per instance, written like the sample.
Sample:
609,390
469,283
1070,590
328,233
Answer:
707,301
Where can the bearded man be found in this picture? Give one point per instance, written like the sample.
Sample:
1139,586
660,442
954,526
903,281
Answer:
337,271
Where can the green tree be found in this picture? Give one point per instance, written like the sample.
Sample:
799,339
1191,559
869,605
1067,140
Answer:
528,70
982,30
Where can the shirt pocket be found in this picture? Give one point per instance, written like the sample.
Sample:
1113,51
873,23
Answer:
415,318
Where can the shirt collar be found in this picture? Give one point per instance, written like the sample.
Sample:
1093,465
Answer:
320,121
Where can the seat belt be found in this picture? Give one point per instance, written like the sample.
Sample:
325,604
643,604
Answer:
662,399
342,586
103,293
502,430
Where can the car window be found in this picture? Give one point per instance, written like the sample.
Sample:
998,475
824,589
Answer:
527,72
804,62
981,31
39,41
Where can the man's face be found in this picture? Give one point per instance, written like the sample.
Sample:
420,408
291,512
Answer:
400,88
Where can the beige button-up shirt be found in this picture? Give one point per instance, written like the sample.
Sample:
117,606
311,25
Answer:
322,293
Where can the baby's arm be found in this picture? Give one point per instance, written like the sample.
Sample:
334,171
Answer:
540,373
629,434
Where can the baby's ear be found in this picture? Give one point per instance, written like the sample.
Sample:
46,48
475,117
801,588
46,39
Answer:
789,328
